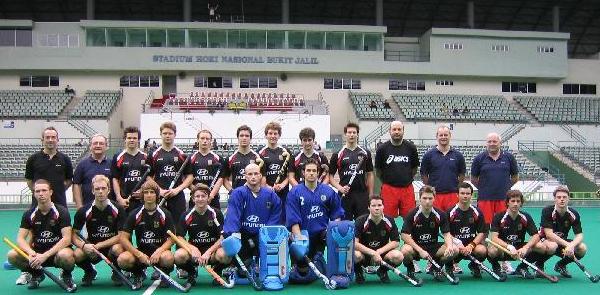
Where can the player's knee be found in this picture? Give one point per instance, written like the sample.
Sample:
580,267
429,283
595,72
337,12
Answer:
79,255
358,257
221,257
65,257
480,251
14,258
181,256
116,249
581,249
126,260
166,258
396,256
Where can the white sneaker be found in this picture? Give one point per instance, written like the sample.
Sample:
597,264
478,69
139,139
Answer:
507,267
457,269
182,274
23,279
417,267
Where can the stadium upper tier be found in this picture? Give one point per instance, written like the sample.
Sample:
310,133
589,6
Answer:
97,104
589,157
423,107
370,106
13,157
552,109
27,104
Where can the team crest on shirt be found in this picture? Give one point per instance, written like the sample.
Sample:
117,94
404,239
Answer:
566,223
209,162
383,232
269,205
471,220
143,162
210,223
323,198
175,159
431,224
52,222
280,157
156,224
519,226
360,157
109,219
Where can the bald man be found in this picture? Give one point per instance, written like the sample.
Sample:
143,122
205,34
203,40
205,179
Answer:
493,172
396,163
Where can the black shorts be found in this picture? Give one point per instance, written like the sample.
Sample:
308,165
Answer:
249,246
560,249
104,252
507,257
431,249
355,203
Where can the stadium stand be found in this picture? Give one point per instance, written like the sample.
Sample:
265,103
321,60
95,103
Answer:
489,108
32,104
370,106
556,109
588,157
528,170
13,157
97,104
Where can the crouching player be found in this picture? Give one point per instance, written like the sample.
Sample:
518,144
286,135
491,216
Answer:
204,226
420,235
102,219
150,224
310,206
468,228
48,227
557,221
376,240
508,230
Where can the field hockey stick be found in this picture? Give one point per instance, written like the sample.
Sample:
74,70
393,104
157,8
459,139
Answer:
281,171
177,176
171,281
355,172
140,182
452,280
214,181
551,278
49,274
250,277
212,273
114,267
416,283
329,284
325,169
499,277
593,278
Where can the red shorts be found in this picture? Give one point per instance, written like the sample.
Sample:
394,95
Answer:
397,200
445,201
490,208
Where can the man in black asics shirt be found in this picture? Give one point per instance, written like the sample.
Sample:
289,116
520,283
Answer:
355,198
420,234
45,235
467,225
165,162
150,224
508,229
307,138
274,158
204,227
102,220
233,172
377,238
127,170
204,165
557,221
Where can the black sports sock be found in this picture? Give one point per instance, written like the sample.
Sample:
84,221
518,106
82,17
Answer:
86,266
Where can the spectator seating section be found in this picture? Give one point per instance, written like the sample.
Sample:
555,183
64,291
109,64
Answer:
363,109
588,157
527,169
565,110
97,104
424,107
13,157
38,104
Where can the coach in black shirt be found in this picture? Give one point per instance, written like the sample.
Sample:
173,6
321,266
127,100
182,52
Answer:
52,165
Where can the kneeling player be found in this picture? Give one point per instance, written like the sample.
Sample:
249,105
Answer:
557,221
508,230
150,224
467,225
376,236
204,226
102,220
48,227
310,206
420,231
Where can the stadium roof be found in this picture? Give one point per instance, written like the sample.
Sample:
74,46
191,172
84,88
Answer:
406,18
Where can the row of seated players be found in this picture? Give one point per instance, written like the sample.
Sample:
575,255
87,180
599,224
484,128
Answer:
46,235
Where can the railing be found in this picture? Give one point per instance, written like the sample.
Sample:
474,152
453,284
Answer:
376,133
82,127
530,147
410,56
574,134
511,131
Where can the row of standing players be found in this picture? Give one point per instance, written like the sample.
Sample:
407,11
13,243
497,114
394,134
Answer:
394,161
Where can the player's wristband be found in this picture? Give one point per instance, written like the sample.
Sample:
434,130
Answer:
511,248
472,244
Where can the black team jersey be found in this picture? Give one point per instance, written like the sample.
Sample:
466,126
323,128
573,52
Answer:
465,225
128,170
235,165
397,162
346,160
375,236
512,231
203,230
205,167
150,229
100,225
297,163
424,230
273,162
561,225
165,165
45,228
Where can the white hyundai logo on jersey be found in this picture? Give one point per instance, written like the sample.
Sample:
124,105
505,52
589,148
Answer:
252,218
134,173
203,235
148,235
169,168
103,229
46,234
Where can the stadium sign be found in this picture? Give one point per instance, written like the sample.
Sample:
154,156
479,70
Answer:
234,59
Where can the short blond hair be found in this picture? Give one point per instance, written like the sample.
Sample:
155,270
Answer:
101,178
